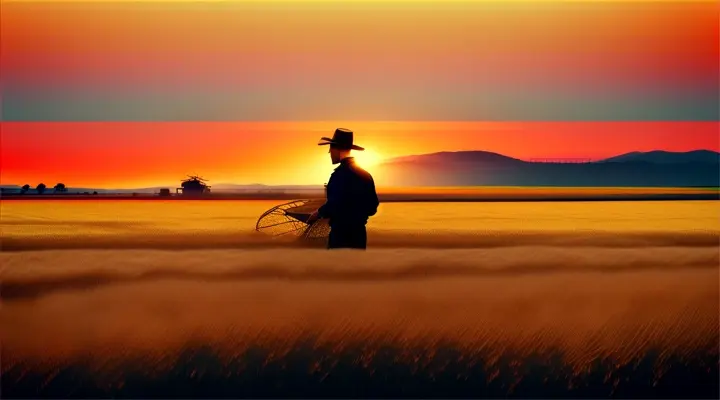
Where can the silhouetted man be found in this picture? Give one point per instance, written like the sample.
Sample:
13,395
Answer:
351,196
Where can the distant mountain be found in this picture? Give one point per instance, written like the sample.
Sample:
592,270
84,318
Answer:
480,168
700,168
456,157
667,157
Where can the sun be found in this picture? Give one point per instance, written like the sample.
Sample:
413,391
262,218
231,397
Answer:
367,158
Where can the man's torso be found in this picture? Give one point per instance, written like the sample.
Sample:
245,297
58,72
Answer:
354,190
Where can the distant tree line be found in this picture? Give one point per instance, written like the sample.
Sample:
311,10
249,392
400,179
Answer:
41,188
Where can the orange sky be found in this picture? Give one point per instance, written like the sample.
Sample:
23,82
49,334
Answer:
132,154
133,93
372,61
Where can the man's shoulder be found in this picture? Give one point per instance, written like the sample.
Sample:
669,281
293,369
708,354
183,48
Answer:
361,172
351,170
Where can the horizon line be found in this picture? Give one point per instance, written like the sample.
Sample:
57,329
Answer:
529,160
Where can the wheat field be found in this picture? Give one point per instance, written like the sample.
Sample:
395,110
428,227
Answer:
184,299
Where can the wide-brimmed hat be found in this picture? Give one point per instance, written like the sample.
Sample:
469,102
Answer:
342,139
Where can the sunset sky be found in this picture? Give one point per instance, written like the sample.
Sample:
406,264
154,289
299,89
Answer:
123,94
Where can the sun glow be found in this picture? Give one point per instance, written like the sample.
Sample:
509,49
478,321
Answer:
367,158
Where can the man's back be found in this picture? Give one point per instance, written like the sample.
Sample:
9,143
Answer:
351,196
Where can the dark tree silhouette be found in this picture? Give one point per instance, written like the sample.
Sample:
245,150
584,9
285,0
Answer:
41,188
25,188
60,187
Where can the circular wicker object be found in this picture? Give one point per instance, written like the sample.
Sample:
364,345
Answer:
289,219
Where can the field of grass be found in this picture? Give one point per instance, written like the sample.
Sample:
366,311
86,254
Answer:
182,299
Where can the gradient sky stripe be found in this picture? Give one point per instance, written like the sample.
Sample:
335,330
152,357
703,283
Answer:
234,61
136,154
415,105
85,86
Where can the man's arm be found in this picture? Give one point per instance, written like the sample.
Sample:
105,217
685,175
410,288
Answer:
327,210
373,201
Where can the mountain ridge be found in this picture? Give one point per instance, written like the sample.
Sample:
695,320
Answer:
667,157
485,168
479,168
466,155
700,155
